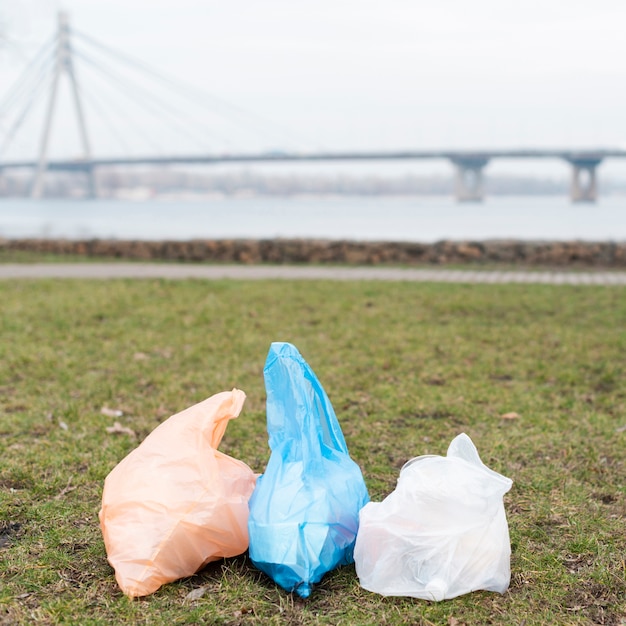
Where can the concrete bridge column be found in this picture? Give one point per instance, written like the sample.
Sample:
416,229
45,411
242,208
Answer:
584,186
469,178
92,187
64,65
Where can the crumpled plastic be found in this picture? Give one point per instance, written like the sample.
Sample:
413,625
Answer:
305,507
441,533
175,503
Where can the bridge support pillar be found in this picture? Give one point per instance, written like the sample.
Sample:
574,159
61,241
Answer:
92,187
584,186
469,178
64,65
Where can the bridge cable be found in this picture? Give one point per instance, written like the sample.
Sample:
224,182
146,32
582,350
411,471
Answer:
151,102
39,86
186,87
152,106
100,110
179,113
15,93
128,89
19,120
111,103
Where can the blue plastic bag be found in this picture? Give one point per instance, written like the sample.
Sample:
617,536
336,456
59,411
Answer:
304,511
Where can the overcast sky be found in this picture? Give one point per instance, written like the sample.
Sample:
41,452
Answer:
362,74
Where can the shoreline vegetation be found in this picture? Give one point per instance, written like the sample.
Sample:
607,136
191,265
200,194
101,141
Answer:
499,253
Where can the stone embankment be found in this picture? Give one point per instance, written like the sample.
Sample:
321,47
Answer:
294,251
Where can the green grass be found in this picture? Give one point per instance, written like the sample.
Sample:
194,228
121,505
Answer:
406,366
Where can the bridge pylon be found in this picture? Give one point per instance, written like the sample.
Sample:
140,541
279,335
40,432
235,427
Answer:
584,186
469,178
63,65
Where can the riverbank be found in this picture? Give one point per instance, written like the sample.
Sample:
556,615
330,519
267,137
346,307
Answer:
281,251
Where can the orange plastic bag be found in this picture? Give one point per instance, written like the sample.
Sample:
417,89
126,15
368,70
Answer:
175,503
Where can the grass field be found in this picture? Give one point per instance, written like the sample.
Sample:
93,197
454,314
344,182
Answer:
406,366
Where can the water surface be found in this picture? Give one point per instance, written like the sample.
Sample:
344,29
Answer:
419,219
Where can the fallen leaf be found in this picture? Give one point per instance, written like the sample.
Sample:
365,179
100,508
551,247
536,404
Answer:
195,594
510,416
63,425
111,412
118,429
435,380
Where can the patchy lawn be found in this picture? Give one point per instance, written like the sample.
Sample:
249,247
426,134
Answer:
406,366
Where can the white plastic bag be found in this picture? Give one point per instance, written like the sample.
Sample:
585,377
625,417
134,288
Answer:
441,533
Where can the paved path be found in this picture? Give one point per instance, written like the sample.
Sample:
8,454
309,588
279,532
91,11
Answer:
301,272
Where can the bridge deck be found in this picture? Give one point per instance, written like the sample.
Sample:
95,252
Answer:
283,157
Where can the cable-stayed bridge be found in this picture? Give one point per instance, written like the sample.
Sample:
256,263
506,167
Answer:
57,59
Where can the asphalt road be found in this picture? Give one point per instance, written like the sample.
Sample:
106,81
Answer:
301,272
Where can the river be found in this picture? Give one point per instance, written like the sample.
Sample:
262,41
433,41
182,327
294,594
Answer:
367,218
